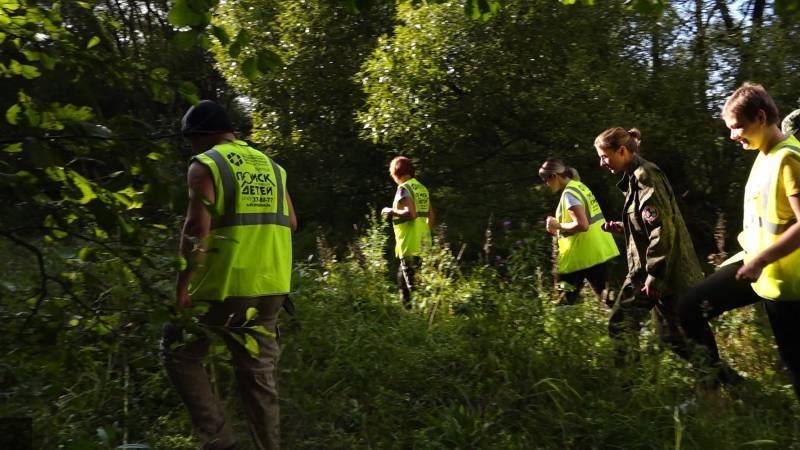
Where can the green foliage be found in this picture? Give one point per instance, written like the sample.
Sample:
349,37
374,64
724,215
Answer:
478,93
506,369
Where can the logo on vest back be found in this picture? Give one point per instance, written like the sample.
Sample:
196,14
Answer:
235,159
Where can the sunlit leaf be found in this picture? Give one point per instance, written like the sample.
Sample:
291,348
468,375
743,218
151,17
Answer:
13,148
83,185
12,114
251,345
260,329
93,42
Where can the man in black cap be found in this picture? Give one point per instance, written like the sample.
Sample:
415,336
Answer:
236,242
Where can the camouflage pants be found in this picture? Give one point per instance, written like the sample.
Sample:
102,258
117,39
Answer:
255,375
630,309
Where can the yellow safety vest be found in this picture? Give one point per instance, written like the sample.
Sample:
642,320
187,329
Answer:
583,250
763,226
412,235
249,248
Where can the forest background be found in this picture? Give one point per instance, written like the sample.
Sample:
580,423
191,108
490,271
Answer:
478,93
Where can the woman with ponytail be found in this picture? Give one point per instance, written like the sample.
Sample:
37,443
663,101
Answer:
662,264
583,247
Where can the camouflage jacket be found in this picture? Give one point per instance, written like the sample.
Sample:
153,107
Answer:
659,248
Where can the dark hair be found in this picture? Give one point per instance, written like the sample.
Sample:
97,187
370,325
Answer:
748,100
555,166
402,166
616,137
205,118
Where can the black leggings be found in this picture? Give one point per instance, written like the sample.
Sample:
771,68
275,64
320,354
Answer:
721,292
406,277
597,276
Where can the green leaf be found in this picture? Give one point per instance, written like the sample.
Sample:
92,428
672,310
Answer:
185,39
251,345
260,329
181,15
31,55
50,222
55,173
243,37
83,185
85,253
48,62
251,312
189,92
10,5
125,227
234,50
33,116
203,41
30,72
13,148
268,61
221,35
250,68
155,156
12,114
93,42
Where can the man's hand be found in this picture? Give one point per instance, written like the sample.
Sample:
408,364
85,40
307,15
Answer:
552,225
613,227
183,299
750,271
387,211
651,292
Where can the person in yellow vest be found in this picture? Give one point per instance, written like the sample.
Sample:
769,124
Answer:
584,249
768,268
662,263
413,218
237,245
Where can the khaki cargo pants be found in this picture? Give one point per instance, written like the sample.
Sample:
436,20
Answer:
255,376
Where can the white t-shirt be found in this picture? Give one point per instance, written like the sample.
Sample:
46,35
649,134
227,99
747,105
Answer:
572,200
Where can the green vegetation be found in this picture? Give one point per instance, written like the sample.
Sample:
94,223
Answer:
478,93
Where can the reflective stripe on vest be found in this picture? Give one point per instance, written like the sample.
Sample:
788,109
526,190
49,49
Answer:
582,250
585,202
763,227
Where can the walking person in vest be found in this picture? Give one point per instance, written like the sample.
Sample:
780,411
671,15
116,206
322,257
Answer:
238,250
412,215
584,249
768,268
662,263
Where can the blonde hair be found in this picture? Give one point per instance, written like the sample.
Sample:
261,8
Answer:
555,166
615,137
